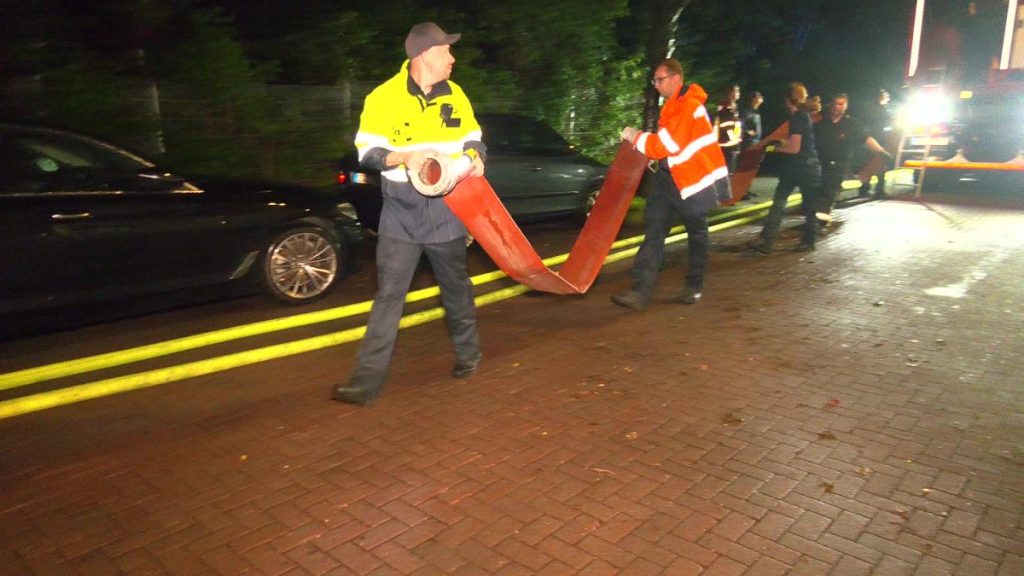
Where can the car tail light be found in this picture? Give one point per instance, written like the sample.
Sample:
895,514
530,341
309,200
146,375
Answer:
353,178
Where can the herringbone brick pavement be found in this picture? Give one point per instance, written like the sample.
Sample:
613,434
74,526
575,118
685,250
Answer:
857,410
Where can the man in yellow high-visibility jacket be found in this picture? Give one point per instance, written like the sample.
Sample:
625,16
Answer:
416,111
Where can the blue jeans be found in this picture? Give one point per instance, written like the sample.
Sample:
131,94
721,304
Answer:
663,203
396,263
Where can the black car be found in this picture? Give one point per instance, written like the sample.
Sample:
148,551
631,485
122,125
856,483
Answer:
533,170
84,221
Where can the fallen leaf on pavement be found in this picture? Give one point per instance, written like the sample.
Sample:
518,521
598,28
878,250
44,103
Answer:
731,418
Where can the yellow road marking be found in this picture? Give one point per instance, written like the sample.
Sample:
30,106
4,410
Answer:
69,395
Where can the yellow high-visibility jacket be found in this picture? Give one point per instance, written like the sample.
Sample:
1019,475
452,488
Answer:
397,116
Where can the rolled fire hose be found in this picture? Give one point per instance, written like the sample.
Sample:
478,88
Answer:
439,174
478,207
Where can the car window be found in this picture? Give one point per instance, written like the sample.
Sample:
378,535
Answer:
19,171
542,139
48,162
514,135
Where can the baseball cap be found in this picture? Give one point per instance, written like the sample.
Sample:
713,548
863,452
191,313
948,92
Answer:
426,35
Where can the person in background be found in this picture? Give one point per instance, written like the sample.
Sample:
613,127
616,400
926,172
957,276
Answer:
799,169
417,110
750,118
690,173
729,127
836,136
879,126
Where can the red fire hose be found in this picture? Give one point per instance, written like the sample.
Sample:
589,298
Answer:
475,203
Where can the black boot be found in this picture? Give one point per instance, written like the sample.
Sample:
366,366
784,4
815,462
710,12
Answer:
354,392
466,368
633,300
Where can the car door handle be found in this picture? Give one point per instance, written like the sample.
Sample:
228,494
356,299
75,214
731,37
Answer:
63,216
535,168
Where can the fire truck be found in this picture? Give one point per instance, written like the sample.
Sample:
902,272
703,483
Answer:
963,118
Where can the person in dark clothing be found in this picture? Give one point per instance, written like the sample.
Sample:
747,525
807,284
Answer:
836,137
750,119
800,169
879,126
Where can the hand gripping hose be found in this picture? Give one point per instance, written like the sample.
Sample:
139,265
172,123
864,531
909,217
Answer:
479,208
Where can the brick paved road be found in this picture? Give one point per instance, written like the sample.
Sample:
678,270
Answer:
859,410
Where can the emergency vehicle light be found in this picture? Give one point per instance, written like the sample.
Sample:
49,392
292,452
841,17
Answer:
927,109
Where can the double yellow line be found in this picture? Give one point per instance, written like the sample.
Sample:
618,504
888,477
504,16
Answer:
156,377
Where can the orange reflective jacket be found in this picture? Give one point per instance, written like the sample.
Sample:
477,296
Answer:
687,140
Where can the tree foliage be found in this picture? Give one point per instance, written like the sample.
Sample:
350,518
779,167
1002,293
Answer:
583,66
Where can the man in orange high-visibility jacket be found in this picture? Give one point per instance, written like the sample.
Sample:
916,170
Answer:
690,176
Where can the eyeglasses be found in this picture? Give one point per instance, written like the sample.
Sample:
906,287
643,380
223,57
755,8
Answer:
656,80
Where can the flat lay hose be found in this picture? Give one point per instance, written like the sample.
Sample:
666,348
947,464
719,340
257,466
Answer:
478,207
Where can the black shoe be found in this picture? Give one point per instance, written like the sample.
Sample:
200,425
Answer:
879,195
465,369
760,246
361,394
631,299
865,190
692,295
805,247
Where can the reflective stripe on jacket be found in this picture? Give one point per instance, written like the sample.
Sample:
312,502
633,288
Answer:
687,139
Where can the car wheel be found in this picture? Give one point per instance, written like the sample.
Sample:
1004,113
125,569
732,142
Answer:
301,265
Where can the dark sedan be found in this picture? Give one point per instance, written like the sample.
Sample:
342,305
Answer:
85,222
533,170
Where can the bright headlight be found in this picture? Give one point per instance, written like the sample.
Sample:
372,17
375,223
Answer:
926,109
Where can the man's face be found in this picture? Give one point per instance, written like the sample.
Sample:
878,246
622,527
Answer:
666,82
838,107
438,61
756,102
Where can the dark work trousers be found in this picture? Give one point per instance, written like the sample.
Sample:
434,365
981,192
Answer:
791,177
732,154
664,203
833,172
396,264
